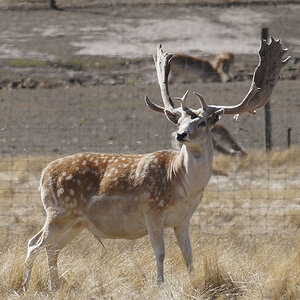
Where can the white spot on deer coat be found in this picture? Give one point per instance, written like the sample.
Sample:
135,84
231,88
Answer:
60,192
161,203
69,177
72,193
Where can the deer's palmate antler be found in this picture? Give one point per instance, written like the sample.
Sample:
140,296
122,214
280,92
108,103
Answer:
129,196
264,80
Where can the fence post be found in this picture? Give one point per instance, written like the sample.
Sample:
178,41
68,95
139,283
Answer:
267,107
289,141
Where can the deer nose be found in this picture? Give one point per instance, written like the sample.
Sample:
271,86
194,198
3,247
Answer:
181,136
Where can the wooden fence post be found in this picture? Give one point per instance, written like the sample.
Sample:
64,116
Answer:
289,140
267,107
52,4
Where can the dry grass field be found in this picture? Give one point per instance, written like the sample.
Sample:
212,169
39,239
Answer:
244,236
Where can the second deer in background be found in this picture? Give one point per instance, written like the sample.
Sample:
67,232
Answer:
223,64
190,68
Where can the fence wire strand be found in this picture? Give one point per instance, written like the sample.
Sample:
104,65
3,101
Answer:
253,195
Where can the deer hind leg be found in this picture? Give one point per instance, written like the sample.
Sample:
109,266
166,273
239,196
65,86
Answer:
155,230
183,239
53,251
53,229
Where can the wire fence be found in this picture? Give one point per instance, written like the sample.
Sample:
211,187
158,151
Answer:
254,194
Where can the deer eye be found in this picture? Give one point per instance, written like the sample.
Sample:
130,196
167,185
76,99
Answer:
202,124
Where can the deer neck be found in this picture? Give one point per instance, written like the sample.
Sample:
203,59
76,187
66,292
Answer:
193,167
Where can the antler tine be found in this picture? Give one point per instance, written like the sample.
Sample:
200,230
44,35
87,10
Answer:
153,106
202,101
285,61
264,79
183,100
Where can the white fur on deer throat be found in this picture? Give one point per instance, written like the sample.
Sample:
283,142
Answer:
192,162
189,192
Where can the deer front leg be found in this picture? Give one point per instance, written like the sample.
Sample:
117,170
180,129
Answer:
155,228
183,239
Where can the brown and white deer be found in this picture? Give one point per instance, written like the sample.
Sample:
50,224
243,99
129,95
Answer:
129,196
224,142
191,68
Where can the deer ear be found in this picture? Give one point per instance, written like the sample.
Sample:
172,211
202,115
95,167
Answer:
172,116
215,117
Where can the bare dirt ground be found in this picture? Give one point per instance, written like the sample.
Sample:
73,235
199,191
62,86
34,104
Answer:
79,76
114,41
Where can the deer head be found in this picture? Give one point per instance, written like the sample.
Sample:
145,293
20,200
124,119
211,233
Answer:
194,124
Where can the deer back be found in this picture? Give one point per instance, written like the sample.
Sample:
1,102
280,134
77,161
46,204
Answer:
70,183
192,67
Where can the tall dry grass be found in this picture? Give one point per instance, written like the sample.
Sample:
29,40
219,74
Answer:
244,235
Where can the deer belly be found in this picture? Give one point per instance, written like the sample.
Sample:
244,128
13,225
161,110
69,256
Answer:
186,72
117,218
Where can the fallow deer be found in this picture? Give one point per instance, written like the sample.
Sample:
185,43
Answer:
224,142
223,64
129,196
191,68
